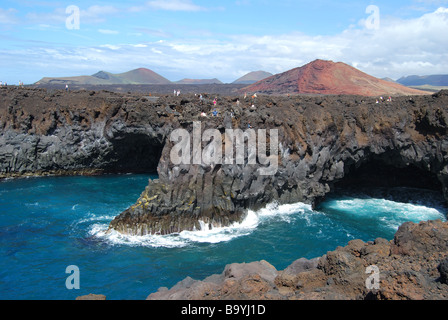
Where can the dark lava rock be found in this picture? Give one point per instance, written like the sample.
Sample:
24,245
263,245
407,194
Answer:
323,142
343,274
92,296
443,269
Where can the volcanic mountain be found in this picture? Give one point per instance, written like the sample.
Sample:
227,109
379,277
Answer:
253,77
440,80
328,77
199,81
137,76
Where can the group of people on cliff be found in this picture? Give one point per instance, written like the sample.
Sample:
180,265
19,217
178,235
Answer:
5,84
382,100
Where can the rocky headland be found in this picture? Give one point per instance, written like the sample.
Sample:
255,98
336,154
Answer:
323,142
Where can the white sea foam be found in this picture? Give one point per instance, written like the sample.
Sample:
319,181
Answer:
115,238
34,204
389,212
205,234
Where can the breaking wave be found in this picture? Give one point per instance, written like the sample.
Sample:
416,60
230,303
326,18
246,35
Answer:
272,212
380,213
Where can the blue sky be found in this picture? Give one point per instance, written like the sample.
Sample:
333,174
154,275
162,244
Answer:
223,39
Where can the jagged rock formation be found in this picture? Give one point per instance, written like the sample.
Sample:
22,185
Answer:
412,266
322,141
82,132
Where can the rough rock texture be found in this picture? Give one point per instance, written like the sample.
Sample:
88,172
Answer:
92,296
412,266
327,77
323,141
79,132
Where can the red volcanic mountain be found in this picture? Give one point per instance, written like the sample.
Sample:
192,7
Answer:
328,77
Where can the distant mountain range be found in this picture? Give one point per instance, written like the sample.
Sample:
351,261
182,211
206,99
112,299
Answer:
253,77
141,76
440,80
316,77
199,81
328,77
137,76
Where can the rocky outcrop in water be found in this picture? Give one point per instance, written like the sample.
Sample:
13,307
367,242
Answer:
323,142
412,266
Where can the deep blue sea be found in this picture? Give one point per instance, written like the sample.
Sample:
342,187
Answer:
48,224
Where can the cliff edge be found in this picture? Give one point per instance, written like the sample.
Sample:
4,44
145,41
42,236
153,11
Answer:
312,145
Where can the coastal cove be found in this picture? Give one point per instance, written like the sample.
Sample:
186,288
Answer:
50,223
216,158
347,167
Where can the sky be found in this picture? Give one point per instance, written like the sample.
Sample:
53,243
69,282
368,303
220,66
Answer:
203,39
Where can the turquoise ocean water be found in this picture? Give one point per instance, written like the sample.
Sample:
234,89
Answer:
47,224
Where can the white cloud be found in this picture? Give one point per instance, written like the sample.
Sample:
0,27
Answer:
7,16
174,5
107,31
96,13
154,33
111,46
93,14
156,51
400,47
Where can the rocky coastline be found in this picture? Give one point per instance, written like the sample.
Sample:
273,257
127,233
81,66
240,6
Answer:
323,142
412,266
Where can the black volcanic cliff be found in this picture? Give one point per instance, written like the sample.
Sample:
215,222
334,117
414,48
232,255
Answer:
323,142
